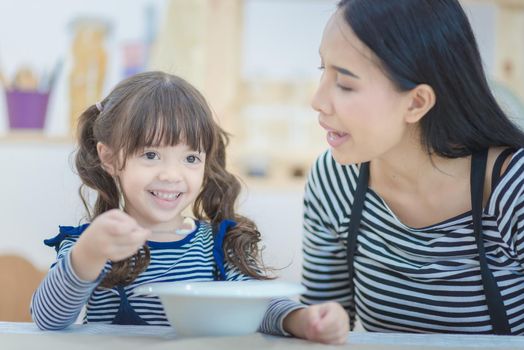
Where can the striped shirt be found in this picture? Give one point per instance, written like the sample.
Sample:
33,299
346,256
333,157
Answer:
412,279
60,298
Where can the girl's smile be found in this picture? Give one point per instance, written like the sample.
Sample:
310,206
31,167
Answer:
166,199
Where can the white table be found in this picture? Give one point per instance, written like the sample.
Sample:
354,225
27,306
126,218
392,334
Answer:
97,337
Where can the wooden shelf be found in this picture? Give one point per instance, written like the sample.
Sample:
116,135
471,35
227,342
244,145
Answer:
33,136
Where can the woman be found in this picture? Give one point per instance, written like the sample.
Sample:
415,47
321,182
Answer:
414,219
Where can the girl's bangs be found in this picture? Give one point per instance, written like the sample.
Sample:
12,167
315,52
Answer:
168,124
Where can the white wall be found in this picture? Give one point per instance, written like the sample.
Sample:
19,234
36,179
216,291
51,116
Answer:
38,192
278,214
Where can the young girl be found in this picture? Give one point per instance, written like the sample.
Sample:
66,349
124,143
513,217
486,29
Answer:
414,218
152,149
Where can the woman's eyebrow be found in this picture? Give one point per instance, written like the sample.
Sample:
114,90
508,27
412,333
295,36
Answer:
341,70
345,71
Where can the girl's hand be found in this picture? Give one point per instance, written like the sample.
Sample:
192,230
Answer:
325,323
113,235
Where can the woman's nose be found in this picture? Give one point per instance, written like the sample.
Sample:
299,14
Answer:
320,101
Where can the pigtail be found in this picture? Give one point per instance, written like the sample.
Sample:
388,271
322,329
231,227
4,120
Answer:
93,175
217,200
90,169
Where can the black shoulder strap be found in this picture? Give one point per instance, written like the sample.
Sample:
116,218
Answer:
496,308
497,168
356,215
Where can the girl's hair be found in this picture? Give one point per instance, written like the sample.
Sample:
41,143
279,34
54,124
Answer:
431,42
158,109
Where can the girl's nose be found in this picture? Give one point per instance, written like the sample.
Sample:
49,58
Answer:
170,174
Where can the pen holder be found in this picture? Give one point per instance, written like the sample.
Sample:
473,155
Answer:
26,109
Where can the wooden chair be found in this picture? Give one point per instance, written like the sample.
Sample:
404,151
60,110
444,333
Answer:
19,278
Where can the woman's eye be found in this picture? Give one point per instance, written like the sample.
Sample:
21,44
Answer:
344,88
321,67
150,155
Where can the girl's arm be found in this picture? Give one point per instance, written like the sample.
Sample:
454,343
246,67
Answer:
81,265
61,296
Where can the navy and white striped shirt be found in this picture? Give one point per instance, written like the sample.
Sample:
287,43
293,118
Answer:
58,301
412,279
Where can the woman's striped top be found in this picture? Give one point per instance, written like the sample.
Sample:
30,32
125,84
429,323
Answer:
60,298
412,279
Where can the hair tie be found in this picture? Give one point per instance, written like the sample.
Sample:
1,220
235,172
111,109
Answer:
99,106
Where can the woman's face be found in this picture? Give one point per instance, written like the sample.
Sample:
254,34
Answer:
360,108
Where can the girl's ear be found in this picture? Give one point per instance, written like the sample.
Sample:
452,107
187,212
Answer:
422,99
106,158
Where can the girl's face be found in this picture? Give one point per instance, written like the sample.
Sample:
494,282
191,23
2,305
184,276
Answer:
359,107
160,182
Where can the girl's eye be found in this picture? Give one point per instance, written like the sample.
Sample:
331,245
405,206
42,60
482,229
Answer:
192,159
151,155
321,67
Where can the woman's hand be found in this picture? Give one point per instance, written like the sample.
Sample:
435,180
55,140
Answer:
113,235
325,323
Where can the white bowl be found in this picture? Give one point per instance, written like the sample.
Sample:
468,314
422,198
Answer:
217,308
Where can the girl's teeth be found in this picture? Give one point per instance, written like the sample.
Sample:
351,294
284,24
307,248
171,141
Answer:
164,195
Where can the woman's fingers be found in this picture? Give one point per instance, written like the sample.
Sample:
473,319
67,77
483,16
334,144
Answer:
329,323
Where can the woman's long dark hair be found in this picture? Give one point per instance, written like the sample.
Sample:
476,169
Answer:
431,42
153,109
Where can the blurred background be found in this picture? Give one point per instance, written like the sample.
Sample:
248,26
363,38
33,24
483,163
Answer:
255,61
